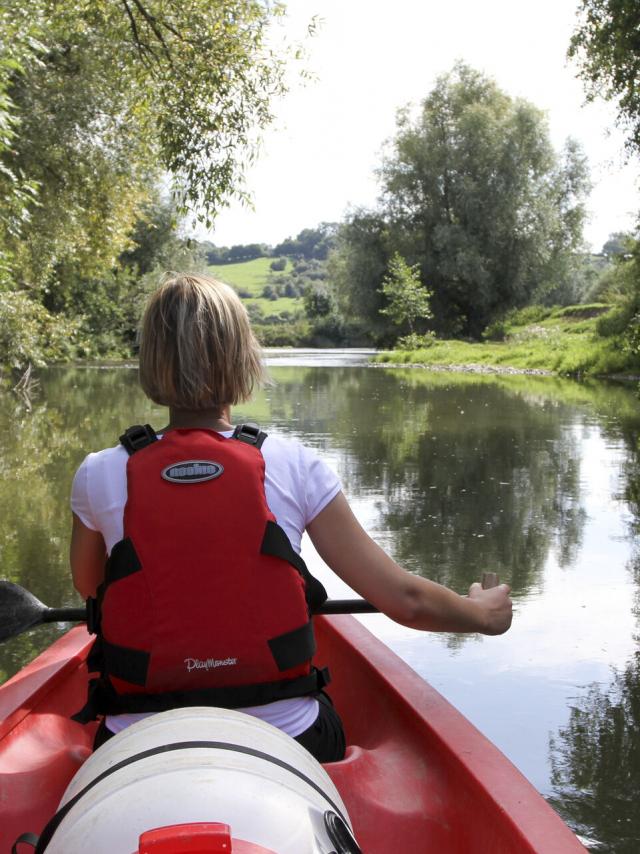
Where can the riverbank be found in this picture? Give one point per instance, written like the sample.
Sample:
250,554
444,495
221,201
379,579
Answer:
566,341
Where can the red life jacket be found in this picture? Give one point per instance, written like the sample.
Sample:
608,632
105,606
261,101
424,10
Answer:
204,601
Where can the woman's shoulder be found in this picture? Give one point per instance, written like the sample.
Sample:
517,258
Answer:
287,450
305,462
107,457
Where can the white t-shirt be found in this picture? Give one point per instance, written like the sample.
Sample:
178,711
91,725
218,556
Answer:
298,485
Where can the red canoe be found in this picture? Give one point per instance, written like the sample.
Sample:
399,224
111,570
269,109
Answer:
418,777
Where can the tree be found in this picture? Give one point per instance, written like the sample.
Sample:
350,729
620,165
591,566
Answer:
113,94
310,243
474,192
619,243
100,101
408,300
606,47
357,267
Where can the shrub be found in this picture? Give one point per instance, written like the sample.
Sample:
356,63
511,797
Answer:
414,341
595,309
278,264
282,334
29,334
496,331
528,314
615,321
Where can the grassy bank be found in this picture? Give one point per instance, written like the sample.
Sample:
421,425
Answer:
561,341
249,278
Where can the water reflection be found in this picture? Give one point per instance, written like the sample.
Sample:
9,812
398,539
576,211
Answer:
536,478
595,762
467,474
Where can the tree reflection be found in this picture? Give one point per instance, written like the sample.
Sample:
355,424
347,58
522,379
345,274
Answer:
465,472
595,764
74,412
468,474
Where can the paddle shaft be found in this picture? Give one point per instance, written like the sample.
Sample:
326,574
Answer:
331,606
20,610
490,579
64,615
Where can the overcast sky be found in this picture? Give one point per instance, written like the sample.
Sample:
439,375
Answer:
369,58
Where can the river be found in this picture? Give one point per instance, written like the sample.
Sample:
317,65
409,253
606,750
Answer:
537,478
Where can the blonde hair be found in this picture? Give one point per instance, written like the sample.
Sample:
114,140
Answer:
197,348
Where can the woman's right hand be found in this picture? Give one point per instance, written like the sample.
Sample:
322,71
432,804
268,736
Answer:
495,608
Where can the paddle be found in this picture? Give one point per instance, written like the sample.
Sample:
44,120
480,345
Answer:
21,610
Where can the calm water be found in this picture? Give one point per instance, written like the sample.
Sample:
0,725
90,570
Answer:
536,478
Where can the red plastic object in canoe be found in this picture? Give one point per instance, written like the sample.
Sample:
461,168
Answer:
418,777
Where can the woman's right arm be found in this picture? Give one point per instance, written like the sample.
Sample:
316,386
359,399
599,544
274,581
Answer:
87,555
406,598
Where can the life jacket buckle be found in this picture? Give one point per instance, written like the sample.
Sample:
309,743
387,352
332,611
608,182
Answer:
138,437
249,433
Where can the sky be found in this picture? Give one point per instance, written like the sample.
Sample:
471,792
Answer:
368,59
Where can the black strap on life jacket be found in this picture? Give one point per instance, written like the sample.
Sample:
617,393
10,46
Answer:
249,433
103,699
137,437
140,435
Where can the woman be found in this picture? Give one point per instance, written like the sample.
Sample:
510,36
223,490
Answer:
204,598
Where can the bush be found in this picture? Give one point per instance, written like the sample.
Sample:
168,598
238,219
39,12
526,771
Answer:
416,342
585,310
496,331
528,314
615,321
278,265
255,312
282,334
30,335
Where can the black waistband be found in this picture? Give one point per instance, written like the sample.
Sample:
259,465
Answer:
103,700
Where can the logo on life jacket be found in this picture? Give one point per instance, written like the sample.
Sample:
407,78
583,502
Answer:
209,663
192,471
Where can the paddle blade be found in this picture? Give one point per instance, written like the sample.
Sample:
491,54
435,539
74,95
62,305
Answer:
19,610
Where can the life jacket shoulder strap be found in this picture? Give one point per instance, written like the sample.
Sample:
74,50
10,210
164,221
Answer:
249,433
138,437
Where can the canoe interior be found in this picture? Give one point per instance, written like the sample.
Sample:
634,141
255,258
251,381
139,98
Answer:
417,777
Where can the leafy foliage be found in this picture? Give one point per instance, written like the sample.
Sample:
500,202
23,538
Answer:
476,194
357,267
99,101
310,243
607,49
29,334
408,299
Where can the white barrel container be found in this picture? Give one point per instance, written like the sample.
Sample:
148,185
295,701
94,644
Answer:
203,765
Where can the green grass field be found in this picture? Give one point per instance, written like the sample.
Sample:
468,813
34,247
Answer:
247,275
561,340
252,276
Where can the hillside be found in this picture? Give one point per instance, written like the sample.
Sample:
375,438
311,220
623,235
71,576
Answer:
249,278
